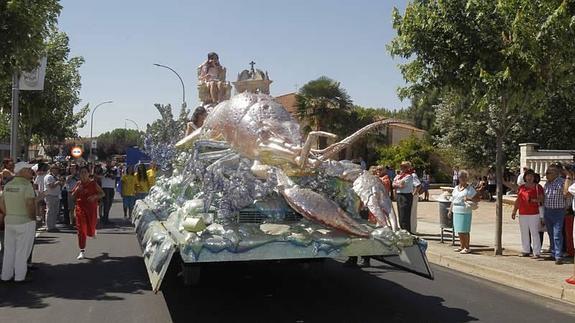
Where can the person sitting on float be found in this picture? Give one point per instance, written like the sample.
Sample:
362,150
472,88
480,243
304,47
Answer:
198,118
211,75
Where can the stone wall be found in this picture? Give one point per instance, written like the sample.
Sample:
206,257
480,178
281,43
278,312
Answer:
540,159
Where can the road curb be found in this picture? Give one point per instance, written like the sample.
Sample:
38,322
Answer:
559,292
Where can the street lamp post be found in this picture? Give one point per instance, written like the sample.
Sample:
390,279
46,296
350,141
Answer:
134,122
181,81
15,116
92,126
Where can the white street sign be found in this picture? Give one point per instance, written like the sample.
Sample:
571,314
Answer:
34,80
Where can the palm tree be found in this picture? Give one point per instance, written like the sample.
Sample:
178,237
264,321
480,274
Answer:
322,104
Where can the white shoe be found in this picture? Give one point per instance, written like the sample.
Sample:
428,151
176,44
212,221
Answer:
94,236
80,255
465,251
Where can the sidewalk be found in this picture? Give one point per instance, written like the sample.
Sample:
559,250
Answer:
537,276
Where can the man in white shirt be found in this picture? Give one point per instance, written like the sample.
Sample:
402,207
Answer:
40,169
53,190
403,185
416,191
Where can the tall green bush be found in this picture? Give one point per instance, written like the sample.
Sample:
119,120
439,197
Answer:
412,149
420,152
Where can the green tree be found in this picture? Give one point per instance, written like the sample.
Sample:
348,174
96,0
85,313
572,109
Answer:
492,60
24,25
51,151
49,114
356,118
552,129
422,111
4,125
117,141
162,135
168,130
323,105
417,151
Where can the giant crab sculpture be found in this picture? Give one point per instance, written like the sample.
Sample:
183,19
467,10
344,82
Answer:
256,127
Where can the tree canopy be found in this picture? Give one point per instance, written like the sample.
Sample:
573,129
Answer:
322,104
28,30
161,136
24,26
417,151
490,63
48,115
484,67
117,141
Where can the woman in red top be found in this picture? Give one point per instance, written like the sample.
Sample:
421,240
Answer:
87,194
529,196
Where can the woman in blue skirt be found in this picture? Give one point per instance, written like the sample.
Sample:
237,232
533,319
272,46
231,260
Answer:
464,200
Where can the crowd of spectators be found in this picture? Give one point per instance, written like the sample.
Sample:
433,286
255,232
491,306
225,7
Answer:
50,196
544,203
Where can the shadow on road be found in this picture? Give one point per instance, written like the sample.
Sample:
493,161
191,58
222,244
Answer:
45,240
272,292
99,278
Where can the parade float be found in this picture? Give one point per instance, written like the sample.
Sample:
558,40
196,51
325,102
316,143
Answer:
247,186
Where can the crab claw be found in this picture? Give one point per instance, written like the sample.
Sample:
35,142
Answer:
316,207
189,138
374,195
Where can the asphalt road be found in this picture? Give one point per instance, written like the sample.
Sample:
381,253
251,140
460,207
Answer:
112,286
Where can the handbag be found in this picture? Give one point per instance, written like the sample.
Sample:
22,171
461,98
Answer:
542,227
541,207
541,211
472,205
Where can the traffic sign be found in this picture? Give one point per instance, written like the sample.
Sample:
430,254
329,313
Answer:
77,152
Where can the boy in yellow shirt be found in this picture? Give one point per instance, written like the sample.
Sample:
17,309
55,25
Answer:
152,174
128,191
142,182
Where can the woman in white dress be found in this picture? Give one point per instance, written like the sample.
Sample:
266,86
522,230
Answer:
464,199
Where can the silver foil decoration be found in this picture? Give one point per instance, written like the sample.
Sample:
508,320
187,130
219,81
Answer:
162,135
214,180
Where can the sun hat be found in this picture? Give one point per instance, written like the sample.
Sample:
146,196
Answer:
21,165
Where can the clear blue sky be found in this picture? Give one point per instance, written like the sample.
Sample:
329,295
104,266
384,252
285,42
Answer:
295,41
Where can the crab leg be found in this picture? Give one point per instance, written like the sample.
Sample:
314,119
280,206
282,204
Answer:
338,146
311,139
190,138
316,207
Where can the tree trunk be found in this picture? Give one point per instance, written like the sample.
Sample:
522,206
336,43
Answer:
499,167
24,136
322,141
26,142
